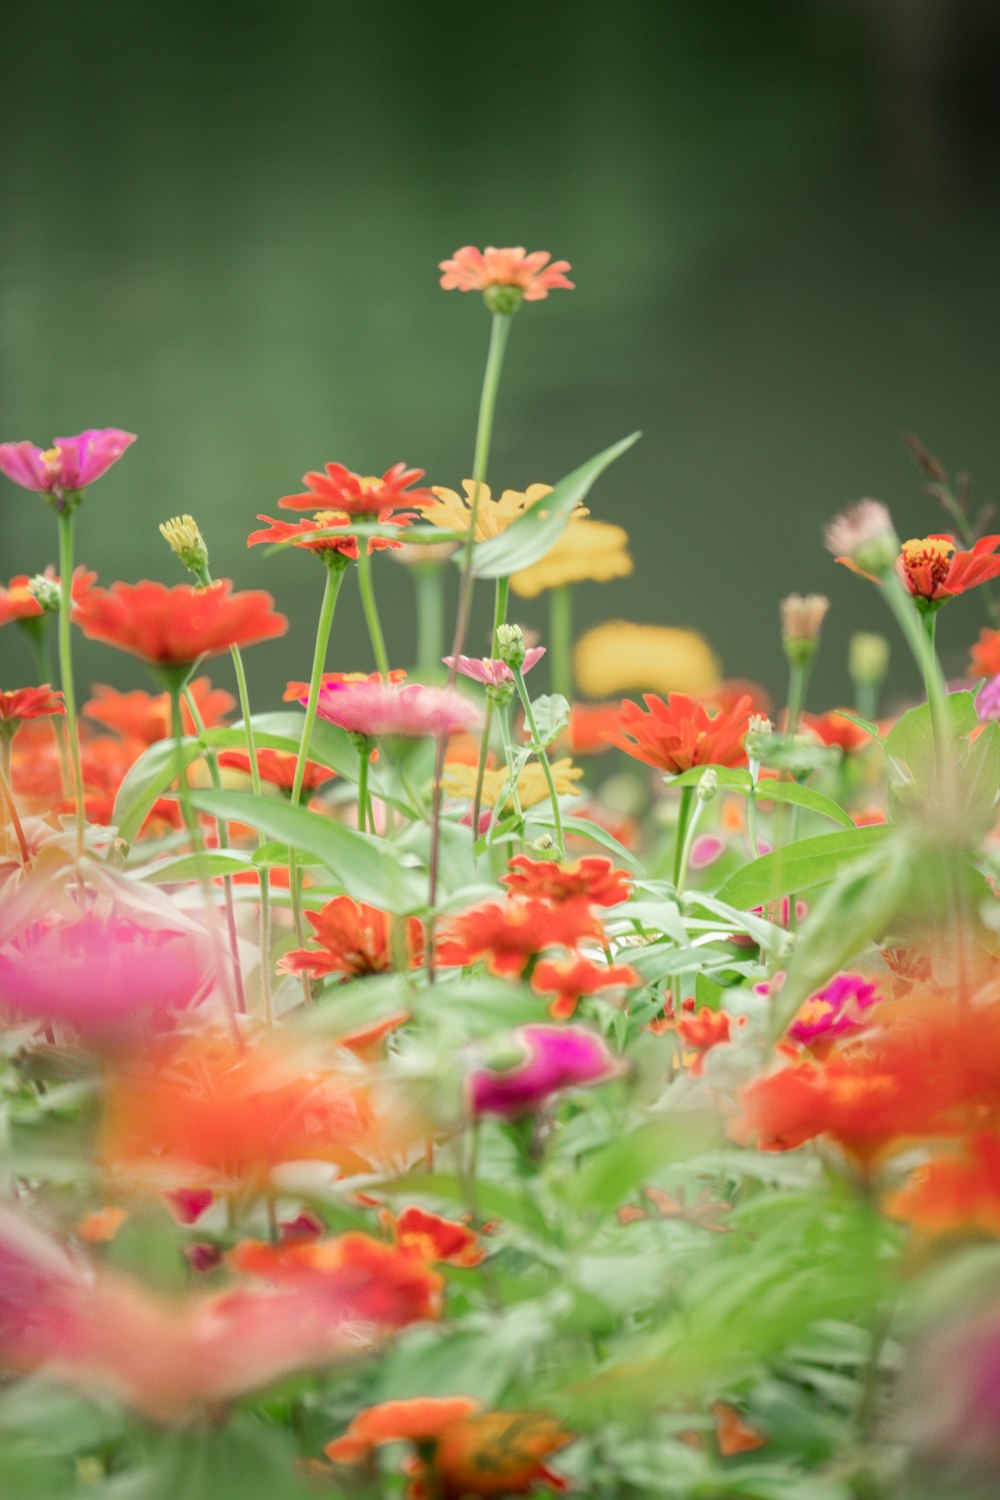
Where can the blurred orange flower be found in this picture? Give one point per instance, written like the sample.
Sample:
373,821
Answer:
355,939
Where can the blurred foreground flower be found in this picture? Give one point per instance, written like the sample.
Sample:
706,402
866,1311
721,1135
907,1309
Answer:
619,656
587,551
554,1058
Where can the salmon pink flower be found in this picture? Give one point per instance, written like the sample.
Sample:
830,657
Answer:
355,939
988,700
593,880
568,981
295,691
28,703
411,711
531,276
102,978
69,466
173,627
491,671
510,936
679,734
554,1058
340,489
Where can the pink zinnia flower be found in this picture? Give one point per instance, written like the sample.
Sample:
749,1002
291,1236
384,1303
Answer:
988,700
555,1058
376,709
100,978
489,670
340,488
472,270
69,465
839,1008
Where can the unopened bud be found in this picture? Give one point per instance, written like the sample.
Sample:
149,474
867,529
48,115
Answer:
802,617
503,299
760,732
708,785
186,542
544,844
510,644
46,592
868,657
865,536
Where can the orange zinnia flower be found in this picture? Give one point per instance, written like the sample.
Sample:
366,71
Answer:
465,1453
304,533
146,716
436,1239
679,734
702,1032
18,603
28,703
984,660
510,936
957,1193
833,729
933,570
472,270
593,880
176,626
341,489
569,981
355,939
395,1284
588,727
277,767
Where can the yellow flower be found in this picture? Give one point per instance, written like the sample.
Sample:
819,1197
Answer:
460,781
452,512
587,550
621,657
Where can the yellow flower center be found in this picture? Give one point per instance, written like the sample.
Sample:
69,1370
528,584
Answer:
51,459
933,552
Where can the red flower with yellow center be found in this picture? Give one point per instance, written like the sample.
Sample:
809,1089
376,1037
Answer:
678,734
339,488
569,981
394,1285
510,936
176,626
933,570
465,1453
593,880
355,939
28,703
146,716
958,1193
436,1239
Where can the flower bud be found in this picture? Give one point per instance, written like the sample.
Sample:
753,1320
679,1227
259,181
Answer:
868,657
46,592
708,786
510,644
865,536
503,299
544,844
802,618
186,542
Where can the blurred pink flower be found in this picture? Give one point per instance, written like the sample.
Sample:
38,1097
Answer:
554,1058
409,710
101,978
489,669
472,270
70,464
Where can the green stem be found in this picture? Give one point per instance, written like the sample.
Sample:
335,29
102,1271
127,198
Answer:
508,752
561,641
798,679
543,758
263,874
691,827
683,815
364,758
924,654
866,700
429,585
38,635
484,755
66,530
499,613
371,610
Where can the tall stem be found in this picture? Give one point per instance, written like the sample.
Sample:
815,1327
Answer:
66,532
561,641
428,581
683,818
11,807
543,758
264,874
371,610
499,615
364,758
797,682
43,656
924,654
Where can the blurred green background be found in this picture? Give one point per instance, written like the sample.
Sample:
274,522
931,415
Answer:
221,224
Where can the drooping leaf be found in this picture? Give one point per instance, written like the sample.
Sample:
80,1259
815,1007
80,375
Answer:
800,866
147,779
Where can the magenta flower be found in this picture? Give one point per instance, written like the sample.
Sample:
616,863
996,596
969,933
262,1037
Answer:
101,978
489,670
839,1008
70,465
555,1058
407,710
988,700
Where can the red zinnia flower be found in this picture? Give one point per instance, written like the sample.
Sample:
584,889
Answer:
146,716
702,1032
436,1239
356,939
933,570
472,270
679,734
984,659
277,767
179,625
341,489
303,533
593,880
509,936
570,980
29,703
958,1192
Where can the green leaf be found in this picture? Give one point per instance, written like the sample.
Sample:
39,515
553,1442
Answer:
911,739
800,866
803,796
196,866
551,717
584,829
328,744
609,1176
146,780
864,724
368,868
859,906
542,524
727,776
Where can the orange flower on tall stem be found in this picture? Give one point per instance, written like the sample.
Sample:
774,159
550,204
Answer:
534,275
355,939
172,627
676,735
28,703
933,570
593,880
18,602
315,536
340,489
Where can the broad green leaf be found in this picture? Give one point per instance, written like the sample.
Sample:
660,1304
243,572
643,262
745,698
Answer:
551,717
328,744
608,1176
727,776
542,524
800,866
147,779
911,739
583,828
196,866
803,796
369,869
